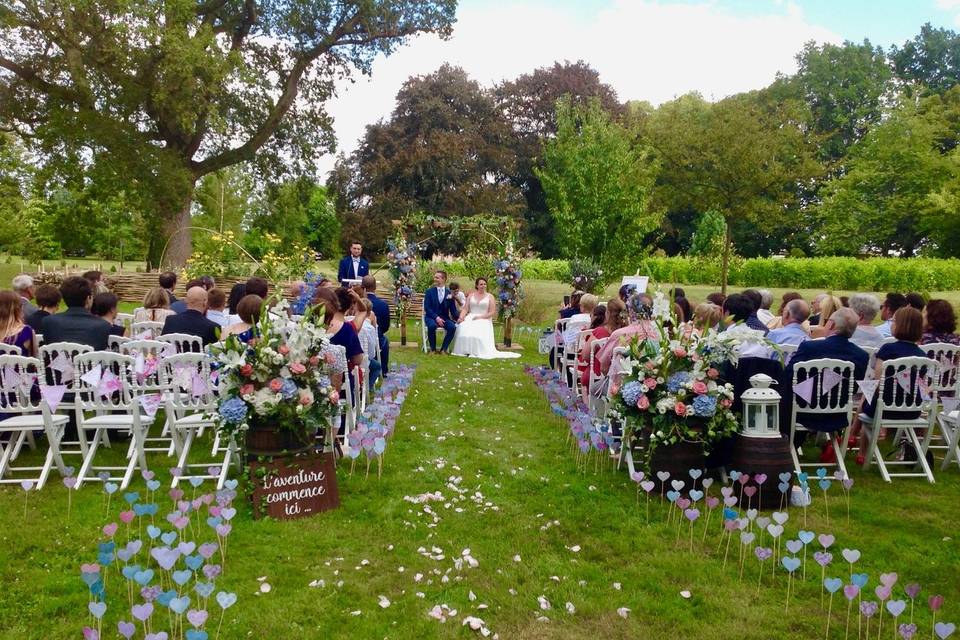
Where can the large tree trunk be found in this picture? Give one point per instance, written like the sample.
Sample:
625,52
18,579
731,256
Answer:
176,235
727,241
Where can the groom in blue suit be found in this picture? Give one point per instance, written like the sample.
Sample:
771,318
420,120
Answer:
439,310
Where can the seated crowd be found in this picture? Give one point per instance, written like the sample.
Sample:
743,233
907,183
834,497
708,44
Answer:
826,327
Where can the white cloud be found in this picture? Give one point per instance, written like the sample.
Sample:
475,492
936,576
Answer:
951,5
645,49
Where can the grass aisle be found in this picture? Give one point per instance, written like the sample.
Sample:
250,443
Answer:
481,435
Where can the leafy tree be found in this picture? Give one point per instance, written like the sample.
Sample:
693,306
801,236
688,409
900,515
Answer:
443,152
740,157
14,173
709,236
598,185
166,94
529,105
323,224
931,60
283,213
223,201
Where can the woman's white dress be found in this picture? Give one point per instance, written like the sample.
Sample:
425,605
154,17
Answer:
474,336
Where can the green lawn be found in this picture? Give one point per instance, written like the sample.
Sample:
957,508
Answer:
481,434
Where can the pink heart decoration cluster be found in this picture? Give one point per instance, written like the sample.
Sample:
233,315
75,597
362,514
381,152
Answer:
378,421
172,562
589,434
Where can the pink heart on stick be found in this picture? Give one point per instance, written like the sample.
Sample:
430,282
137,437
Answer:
888,579
110,529
760,478
750,491
127,516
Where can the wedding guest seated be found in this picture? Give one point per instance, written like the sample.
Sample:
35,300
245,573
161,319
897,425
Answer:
237,292
915,300
891,304
168,282
13,331
156,306
706,316
216,304
597,319
96,281
104,306
907,328
753,321
679,297
866,306
181,305
580,321
258,286
640,312
763,313
248,315
573,308
48,299
364,324
459,297
76,324
838,345
777,321
717,298
740,308
23,287
794,314
193,321
815,308
939,322
382,311
614,318
828,304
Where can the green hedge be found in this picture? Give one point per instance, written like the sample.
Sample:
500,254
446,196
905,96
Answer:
870,274
533,269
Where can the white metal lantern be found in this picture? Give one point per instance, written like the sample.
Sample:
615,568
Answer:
761,408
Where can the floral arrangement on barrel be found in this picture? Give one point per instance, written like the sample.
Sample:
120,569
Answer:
672,389
509,283
280,380
402,258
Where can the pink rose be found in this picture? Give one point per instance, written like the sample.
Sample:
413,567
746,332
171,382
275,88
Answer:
314,360
246,389
276,384
297,368
614,389
284,349
726,402
643,402
651,383
246,370
699,387
680,352
650,366
712,373
680,409
306,397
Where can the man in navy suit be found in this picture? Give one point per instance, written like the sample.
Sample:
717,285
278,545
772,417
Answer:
353,267
382,313
76,324
193,321
439,310
837,346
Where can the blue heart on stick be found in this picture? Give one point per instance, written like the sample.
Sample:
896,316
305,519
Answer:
89,577
168,537
130,570
673,495
182,577
105,557
179,605
859,579
806,537
230,484
204,589
165,597
194,634
153,485
821,473
784,487
833,584
194,562
153,531
144,577
131,497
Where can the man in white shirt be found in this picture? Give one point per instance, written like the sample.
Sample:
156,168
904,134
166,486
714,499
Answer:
216,303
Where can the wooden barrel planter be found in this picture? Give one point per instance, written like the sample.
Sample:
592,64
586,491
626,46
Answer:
766,456
271,440
677,459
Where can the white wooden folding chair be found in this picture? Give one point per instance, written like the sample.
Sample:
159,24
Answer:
114,342
596,398
191,399
945,419
9,349
424,338
572,358
558,357
147,356
123,320
111,409
26,436
22,412
58,370
836,401
788,350
183,342
907,385
145,329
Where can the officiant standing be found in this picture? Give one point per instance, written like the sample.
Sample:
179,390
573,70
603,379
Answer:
353,267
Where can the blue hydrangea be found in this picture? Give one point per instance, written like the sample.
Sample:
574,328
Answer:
289,389
631,392
704,406
677,380
323,382
233,410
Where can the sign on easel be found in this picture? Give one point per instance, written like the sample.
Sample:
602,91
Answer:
640,282
294,487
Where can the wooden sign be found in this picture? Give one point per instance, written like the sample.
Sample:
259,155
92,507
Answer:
294,487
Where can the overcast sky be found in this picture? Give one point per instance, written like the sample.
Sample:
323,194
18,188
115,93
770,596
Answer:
646,49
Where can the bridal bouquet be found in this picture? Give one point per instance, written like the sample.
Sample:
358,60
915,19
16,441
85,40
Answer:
672,386
402,259
508,281
281,376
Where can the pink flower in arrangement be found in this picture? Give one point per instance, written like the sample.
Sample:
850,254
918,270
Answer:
306,397
712,373
643,402
680,352
726,402
297,368
650,366
614,389
314,360
651,383
284,349
246,370
699,387
334,397
276,384
246,389
680,409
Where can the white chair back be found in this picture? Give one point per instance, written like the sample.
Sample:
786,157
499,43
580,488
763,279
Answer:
18,375
145,330
92,396
187,376
907,384
595,398
59,367
114,342
183,342
889,340
838,399
872,362
123,320
10,349
147,355
948,355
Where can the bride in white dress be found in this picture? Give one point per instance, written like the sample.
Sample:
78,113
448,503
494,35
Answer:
474,336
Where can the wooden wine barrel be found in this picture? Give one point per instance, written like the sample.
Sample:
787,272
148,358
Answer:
767,456
678,459
270,440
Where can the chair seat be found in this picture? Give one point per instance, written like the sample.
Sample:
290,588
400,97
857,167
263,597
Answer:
115,420
194,419
30,421
950,417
